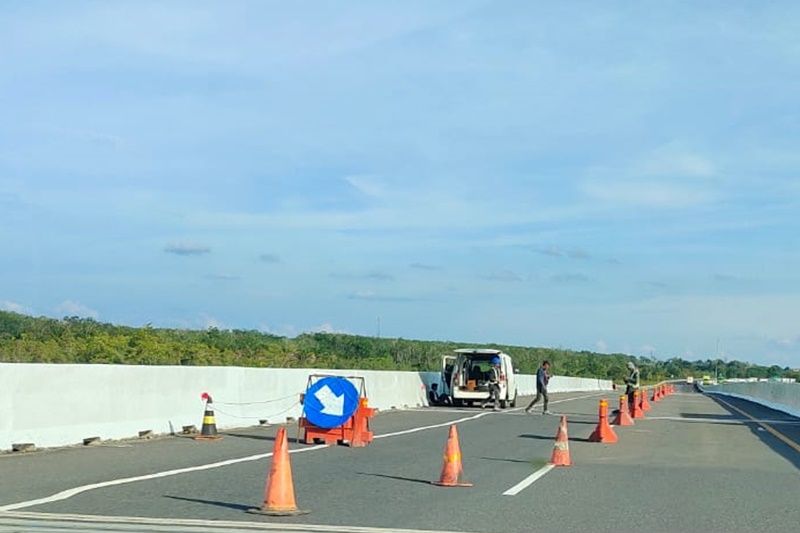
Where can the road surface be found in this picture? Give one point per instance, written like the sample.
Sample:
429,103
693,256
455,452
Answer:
695,463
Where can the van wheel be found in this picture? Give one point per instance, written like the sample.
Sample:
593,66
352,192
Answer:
458,402
502,404
514,401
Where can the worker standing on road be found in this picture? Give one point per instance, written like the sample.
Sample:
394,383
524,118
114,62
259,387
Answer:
632,383
542,379
494,384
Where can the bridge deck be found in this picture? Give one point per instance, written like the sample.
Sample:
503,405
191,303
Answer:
694,462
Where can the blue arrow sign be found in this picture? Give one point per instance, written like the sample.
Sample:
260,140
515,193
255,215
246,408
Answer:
330,402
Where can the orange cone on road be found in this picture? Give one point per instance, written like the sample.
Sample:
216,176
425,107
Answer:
656,394
645,403
209,429
637,405
560,455
623,416
603,432
279,491
452,469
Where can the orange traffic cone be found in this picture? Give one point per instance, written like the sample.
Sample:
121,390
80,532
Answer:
279,491
656,394
623,416
637,405
645,402
560,455
452,469
209,429
603,432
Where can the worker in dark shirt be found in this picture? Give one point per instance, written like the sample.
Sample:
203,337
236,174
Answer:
631,383
494,384
542,379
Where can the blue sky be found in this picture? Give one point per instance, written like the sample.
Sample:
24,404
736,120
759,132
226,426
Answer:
620,177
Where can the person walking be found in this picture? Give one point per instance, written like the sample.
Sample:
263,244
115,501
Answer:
542,379
631,383
494,384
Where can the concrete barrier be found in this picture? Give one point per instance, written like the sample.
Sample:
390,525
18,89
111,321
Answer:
783,397
56,405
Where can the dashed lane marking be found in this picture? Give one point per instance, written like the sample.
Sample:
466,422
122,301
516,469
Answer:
69,493
528,481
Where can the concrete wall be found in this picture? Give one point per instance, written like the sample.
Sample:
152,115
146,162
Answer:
780,396
55,405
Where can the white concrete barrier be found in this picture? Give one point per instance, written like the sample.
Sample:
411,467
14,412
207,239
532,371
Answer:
783,397
56,405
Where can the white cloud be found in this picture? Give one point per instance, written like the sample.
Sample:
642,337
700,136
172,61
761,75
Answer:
207,322
14,307
327,327
669,162
367,184
73,308
285,330
646,194
648,350
601,346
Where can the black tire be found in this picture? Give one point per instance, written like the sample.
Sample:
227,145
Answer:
457,402
502,404
514,401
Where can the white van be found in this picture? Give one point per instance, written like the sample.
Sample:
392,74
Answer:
465,376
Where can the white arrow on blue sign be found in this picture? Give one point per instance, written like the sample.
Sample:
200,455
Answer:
330,402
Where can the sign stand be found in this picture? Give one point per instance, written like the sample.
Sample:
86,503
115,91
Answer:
335,412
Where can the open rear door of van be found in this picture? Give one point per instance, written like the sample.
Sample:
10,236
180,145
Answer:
448,364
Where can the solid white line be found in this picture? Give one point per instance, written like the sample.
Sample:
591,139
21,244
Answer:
474,417
227,525
69,493
443,424
528,481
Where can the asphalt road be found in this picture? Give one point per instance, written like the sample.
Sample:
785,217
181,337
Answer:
695,463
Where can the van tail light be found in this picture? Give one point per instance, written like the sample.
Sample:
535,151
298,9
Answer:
502,377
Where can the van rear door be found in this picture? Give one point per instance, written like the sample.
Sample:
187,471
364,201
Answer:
448,364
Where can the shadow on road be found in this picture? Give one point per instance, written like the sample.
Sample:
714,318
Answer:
527,462
551,437
227,505
790,432
401,478
271,438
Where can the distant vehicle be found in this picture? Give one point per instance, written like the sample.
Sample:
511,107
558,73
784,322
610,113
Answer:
689,379
707,380
465,376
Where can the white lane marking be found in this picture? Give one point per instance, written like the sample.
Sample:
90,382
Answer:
474,417
528,481
69,493
505,411
443,424
181,523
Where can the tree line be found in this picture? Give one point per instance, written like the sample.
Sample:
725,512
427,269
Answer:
28,339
